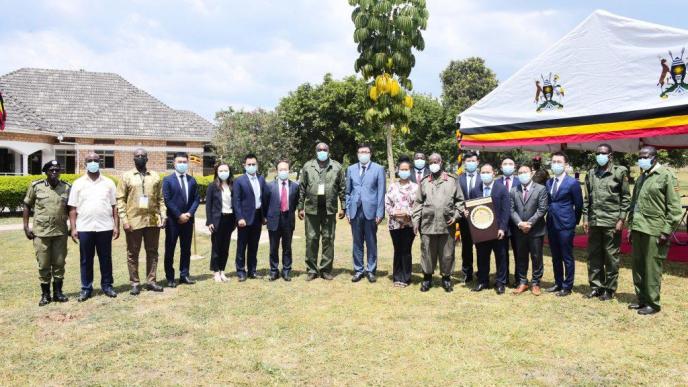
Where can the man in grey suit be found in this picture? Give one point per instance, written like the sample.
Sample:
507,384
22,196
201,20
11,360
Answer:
365,209
529,202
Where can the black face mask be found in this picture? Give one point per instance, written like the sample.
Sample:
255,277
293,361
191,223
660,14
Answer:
140,163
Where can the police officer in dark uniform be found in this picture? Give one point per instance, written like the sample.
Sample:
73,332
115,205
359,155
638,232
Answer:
48,199
540,175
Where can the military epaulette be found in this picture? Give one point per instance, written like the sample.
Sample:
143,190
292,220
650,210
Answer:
36,182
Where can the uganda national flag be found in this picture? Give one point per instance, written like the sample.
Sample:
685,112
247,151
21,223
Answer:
3,114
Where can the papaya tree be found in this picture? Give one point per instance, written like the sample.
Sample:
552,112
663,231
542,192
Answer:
387,32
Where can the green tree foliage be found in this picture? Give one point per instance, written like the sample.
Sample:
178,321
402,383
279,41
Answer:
260,132
465,82
429,131
387,32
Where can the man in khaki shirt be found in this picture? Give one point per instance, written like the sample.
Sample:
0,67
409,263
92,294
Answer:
142,212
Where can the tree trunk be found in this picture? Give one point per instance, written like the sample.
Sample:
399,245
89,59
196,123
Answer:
390,155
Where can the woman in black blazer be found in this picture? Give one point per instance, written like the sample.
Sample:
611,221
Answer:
220,219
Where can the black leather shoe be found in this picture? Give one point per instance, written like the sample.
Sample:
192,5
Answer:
311,276
635,306
273,276
563,293
153,287
45,295
171,284
595,293
372,278
110,292
447,284
254,276
286,277
186,280
242,277
427,283
479,288
552,289
357,277
466,280
135,290
500,289
646,310
326,276
607,295
58,296
84,295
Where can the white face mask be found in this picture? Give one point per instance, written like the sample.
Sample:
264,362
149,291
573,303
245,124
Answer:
434,168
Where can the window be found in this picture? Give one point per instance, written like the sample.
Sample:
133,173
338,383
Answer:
107,159
169,157
67,159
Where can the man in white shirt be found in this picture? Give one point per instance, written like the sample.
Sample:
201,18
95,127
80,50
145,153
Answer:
94,224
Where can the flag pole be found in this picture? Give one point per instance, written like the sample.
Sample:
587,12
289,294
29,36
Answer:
195,255
459,163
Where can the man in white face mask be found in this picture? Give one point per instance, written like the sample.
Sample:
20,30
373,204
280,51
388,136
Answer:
467,181
420,168
282,196
509,179
365,209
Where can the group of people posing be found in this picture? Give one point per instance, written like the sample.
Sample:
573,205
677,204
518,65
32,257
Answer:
423,201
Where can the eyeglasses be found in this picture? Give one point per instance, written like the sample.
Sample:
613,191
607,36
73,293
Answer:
92,160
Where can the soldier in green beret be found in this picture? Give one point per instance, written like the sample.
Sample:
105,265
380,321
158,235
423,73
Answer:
48,199
654,214
607,200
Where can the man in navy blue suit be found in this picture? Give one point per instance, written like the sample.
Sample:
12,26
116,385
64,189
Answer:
468,180
248,201
181,198
502,208
365,209
282,197
510,180
565,210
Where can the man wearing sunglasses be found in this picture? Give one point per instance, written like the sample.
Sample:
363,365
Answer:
606,206
48,199
654,214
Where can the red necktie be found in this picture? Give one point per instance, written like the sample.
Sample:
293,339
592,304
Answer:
508,184
284,206
525,194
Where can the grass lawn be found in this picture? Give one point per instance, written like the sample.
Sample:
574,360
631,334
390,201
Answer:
331,333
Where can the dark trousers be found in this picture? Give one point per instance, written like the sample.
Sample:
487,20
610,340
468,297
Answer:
529,248
184,233
485,249
90,243
284,234
247,245
220,243
561,246
511,241
402,240
466,249
364,231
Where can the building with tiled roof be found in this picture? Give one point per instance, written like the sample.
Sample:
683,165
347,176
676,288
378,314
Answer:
65,114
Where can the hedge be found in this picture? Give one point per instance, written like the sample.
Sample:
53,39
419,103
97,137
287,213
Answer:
13,188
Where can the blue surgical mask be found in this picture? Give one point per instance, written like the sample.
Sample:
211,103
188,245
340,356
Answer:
508,170
283,175
404,175
602,160
223,175
181,167
251,169
419,163
486,177
524,178
645,164
323,155
364,158
558,169
93,166
471,166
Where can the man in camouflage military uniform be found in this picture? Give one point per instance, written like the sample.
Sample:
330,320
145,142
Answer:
48,199
607,200
321,186
654,214
439,205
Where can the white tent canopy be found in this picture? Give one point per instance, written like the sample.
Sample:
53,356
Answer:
611,79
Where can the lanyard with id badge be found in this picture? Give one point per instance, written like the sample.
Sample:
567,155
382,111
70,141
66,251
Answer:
143,199
321,186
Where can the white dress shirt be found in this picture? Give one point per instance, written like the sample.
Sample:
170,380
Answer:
226,199
256,188
186,182
559,179
93,200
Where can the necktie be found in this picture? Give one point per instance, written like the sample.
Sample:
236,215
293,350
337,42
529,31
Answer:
525,194
363,170
555,187
419,177
508,184
486,192
186,194
284,206
470,184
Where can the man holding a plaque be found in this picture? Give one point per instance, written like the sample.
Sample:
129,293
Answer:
439,204
497,242
468,181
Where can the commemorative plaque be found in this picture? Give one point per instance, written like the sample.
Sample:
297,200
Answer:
481,219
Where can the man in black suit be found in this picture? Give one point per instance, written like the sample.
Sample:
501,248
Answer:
181,198
420,169
500,204
282,199
468,180
509,179
248,202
